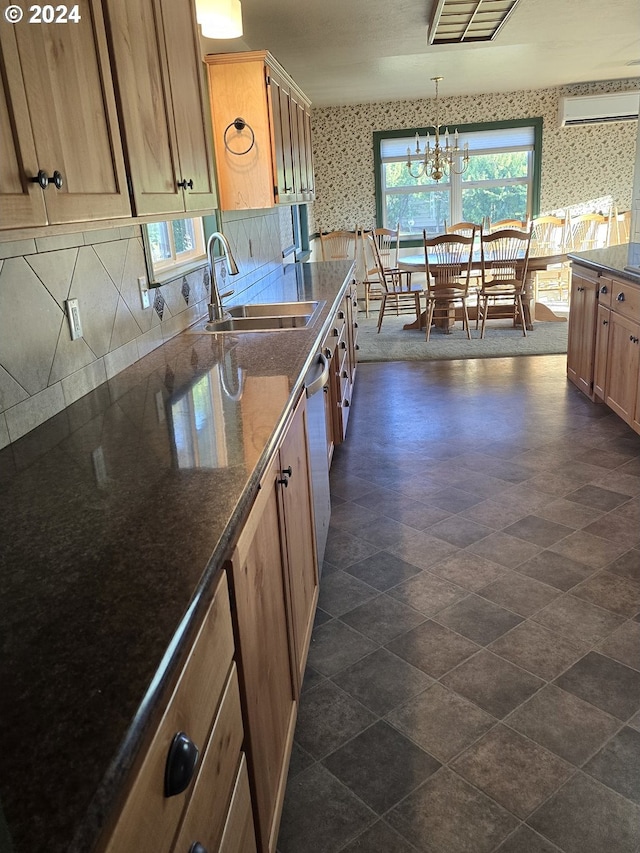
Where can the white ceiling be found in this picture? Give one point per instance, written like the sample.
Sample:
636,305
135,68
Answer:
359,51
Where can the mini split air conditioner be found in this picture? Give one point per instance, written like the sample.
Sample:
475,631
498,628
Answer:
593,109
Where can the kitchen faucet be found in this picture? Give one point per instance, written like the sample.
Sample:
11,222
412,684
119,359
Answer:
216,309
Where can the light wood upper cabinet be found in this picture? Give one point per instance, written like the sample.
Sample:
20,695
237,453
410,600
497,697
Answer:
58,115
269,161
161,94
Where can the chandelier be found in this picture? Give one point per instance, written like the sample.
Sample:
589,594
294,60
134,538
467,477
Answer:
436,161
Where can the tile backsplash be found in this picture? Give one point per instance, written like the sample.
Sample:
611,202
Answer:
42,371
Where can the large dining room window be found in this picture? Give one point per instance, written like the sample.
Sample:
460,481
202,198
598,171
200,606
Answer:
502,180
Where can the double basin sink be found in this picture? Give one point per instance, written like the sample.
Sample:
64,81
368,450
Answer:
265,317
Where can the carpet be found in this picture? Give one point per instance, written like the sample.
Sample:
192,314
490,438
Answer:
501,340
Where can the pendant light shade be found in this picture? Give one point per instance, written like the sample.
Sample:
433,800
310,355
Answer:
219,19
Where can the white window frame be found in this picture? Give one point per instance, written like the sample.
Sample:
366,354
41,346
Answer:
178,263
455,183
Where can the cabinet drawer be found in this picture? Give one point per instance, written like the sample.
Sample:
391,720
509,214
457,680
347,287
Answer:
605,291
149,819
625,300
239,835
206,813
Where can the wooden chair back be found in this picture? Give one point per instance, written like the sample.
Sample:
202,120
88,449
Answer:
501,224
587,231
621,227
338,245
467,229
504,259
448,262
547,235
397,290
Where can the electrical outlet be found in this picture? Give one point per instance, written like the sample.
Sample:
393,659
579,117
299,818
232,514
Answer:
145,296
73,315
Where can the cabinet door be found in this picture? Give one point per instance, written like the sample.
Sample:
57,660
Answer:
623,360
581,332
600,359
160,101
302,571
62,71
192,120
310,180
22,200
239,835
258,581
296,116
282,150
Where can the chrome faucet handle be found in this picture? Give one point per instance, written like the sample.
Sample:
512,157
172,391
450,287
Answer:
228,293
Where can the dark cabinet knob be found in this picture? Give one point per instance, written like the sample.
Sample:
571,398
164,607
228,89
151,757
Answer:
185,184
181,763
328,354
604,289
196,847
340,315
284,482
605,322
43,179
620,297
288,472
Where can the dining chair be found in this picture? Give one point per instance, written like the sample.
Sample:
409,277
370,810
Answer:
388,242
548,238
521,224
621,227
467,229
504,259
448,265
587,231
398,290
338,245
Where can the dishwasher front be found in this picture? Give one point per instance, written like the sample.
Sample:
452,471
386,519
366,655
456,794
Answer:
316,381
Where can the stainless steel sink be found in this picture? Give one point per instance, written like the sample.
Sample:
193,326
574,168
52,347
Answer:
262,317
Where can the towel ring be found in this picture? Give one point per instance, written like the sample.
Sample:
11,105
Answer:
239,124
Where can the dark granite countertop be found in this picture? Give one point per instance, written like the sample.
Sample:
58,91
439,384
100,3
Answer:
612,259
114,524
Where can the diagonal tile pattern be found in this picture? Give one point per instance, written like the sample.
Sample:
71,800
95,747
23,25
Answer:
473,683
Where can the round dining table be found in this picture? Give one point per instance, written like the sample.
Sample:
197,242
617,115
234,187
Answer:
533,310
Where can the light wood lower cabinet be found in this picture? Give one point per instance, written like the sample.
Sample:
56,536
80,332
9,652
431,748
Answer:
582,326
614,341
622,366
274,580
340,347
170,812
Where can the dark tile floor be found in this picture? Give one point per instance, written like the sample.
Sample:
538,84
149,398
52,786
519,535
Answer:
473,682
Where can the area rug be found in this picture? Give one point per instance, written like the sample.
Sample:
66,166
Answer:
501,339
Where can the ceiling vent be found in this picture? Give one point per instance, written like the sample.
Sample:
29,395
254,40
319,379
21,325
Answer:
594,109
460,21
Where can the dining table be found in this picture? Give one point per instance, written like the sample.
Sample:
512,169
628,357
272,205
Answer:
533,309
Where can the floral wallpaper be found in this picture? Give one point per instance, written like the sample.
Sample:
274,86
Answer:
578,163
